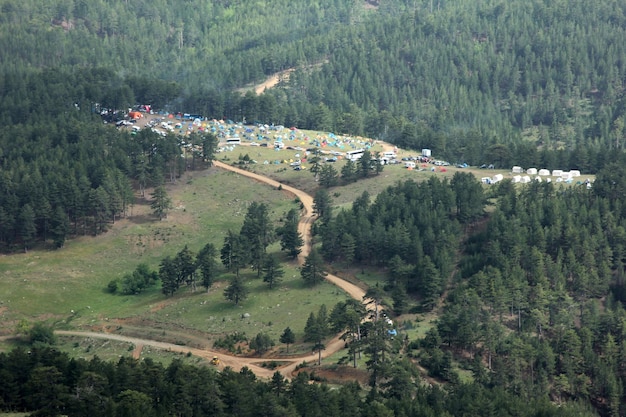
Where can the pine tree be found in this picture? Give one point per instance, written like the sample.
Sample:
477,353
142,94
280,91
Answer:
329,176
291,239
272,271
27,227
348,172
161,202
207,263
59,227
168,276
236,291
287,337
313,271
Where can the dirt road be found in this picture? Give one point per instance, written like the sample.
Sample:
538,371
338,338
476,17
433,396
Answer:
254,364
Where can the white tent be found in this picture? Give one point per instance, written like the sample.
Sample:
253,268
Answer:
544,172
517,170
531,171
557,172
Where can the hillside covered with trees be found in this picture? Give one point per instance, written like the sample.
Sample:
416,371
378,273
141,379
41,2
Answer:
511,83
528,283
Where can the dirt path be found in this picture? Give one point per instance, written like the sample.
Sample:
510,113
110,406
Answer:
237,362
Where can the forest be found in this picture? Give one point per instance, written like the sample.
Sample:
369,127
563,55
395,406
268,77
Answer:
523,83
47,380
530,281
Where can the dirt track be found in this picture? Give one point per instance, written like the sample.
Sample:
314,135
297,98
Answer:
237,362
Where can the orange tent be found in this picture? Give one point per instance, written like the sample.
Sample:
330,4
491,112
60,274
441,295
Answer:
135,115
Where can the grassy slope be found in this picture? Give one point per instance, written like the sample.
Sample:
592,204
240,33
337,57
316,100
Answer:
42,284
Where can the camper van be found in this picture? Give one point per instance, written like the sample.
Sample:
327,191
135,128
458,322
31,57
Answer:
355,155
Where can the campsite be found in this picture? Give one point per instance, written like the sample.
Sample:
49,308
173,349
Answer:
312,208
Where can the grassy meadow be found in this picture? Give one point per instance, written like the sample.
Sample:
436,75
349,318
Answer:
68,286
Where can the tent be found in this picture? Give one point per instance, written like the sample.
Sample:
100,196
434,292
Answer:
135,115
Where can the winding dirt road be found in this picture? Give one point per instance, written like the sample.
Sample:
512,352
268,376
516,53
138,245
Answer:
254,364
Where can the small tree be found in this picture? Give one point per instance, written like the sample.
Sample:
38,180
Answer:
288,337
273,271
206,262
329,177
316,329
236,291
161,203
290,238
348,172
168,276
261,343
365,164
186,267
313,269
42,334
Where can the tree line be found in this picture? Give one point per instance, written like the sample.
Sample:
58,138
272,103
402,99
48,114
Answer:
63,172
43,381
521,83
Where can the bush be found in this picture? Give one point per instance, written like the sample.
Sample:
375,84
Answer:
42,334
230,341
112,286
261,343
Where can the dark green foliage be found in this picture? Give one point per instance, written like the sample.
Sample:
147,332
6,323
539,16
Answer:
349,172
229,341
141,278
287,337
161,202
329,177
273,272
41,333
46,381
261,343
407,228
322,205
313,271
346,318
27,226
206,262
291,240
236,290
235,253
316,330
168,276
257,232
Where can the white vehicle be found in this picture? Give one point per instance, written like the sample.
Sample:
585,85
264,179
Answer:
355,155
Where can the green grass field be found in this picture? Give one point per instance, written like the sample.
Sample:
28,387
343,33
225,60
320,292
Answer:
67,287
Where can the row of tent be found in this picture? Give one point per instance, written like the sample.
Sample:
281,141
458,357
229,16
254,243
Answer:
546,173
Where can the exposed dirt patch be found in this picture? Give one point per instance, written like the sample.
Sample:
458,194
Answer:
274,79
137,351
339,374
